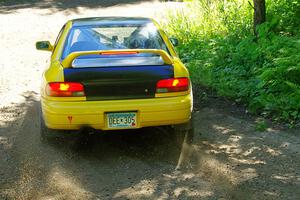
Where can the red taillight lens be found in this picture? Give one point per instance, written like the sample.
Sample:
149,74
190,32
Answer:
65,89
172,85
119,53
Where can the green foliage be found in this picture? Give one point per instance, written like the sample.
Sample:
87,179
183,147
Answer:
261,125
286,14
221,52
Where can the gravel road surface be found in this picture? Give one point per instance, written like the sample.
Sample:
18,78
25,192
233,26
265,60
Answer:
228,158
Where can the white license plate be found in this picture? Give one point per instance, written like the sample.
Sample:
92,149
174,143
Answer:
121,120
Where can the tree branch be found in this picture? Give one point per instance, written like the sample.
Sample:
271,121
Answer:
251,5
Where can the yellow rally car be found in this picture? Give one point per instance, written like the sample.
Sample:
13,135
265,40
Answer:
113,73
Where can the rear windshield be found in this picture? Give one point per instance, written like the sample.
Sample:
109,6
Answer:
89,38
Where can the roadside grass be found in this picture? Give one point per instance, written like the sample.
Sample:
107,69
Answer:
221,52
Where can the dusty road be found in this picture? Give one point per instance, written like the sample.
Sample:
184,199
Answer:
228,159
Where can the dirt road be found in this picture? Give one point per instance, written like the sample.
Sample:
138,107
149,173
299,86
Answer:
228,158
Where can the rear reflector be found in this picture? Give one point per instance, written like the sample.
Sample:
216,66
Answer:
65,89
172,85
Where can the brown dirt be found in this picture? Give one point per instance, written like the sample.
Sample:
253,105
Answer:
228,158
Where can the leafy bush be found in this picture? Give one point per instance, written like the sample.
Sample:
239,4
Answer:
219,48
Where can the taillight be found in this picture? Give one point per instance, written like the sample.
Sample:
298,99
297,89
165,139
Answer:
65,89
172,85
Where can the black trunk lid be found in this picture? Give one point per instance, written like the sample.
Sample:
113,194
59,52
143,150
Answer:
124,82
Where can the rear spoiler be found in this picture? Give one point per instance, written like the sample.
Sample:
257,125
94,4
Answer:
67,62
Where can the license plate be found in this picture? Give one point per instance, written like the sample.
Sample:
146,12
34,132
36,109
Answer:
121,120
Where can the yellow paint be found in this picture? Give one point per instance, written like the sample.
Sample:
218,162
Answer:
164,109
150,112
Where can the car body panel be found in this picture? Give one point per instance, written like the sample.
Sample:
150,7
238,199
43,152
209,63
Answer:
106,83
151,112
76,112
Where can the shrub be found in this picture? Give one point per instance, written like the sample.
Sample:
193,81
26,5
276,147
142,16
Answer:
218,46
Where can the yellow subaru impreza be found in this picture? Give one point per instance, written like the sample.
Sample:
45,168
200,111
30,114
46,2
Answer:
112,73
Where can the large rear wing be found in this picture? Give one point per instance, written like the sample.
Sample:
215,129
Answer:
67,62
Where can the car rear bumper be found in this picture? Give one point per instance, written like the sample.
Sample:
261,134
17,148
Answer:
150,112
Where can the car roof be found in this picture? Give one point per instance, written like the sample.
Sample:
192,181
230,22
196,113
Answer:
105,21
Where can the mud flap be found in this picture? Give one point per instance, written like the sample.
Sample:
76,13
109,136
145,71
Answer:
185,132
50,135
46,134
184,136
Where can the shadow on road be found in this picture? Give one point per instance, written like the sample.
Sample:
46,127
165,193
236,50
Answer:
8,6
147,144
229,160
101,164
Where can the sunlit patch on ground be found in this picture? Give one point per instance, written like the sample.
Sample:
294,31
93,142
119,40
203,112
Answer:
143,189
228,158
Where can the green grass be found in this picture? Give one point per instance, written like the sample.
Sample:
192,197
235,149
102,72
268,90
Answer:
261,125
221,52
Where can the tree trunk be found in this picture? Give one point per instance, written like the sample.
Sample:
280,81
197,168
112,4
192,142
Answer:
259,13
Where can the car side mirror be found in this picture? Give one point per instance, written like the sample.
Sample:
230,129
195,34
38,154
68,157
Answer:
174,41
44,45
